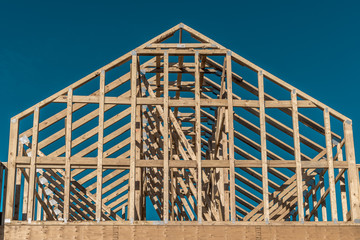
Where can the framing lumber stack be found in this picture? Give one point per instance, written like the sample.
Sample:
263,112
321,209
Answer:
181,135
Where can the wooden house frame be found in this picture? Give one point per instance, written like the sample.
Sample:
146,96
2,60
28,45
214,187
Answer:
182,153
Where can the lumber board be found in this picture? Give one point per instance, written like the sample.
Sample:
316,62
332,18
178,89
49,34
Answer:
297,154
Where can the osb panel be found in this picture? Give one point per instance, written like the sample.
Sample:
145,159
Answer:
174,232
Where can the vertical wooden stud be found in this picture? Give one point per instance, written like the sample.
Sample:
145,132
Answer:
344,207
198,137
230,115
99,169
297,154
166,138
138,146
13,142
33,157
134,74
25,195
68,131
5,171
353,174
330,160
263,146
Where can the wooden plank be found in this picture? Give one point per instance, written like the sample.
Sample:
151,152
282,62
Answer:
181,52
186,102
166,139
123,162
38,204
139,149
131,212
99,169
33,157
13,142
263,147
25,195
68,141
199,184
353,174
230,122
343,187
5,171
297,154
173,187
220,119
330,160
181,45
174,140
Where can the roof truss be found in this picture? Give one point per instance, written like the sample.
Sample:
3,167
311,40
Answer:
193,129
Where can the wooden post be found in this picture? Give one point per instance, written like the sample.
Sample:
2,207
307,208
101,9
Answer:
230,115
224,143
143,182
4,171
38,205
166,139
172,177
13,142
134,73
297,155
198,137
139,149
68,140
25,195
330,160
263,146
138,146
344,206
33,164
353,174
99,169
173,195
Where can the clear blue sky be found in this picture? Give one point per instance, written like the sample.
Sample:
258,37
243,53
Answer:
45,46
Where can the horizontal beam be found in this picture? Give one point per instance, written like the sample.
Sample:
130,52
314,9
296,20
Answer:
125,162
180,52
187,102
181,45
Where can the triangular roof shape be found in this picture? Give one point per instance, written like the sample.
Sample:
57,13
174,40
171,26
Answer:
201,38
194,129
